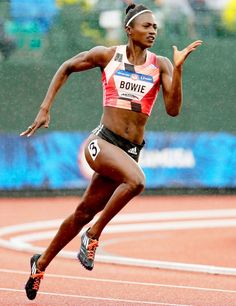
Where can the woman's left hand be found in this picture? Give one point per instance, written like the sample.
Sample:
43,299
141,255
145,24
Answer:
180,55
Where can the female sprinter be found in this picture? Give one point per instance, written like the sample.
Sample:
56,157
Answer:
131,77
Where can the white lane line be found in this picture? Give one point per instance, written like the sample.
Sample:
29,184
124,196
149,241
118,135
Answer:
137,227
135,262
106,280
168,226
151,216
21,242
24,227
175,215
94,298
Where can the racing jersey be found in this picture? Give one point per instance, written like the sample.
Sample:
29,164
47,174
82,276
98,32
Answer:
128,86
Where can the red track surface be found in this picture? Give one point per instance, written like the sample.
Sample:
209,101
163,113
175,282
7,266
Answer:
67,283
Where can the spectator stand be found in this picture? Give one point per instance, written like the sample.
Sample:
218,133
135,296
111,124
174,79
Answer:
29,23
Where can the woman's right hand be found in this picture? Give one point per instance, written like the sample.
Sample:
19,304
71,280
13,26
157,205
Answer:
42,119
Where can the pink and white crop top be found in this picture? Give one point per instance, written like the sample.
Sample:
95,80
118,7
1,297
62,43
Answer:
127,86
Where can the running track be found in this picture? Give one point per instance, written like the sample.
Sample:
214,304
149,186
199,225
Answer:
157,251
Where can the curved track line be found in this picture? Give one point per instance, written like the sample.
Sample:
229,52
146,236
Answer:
21,242
131,217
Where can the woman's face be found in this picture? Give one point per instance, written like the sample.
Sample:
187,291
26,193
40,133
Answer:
143,31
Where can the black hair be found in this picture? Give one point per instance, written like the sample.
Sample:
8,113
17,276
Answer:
132,10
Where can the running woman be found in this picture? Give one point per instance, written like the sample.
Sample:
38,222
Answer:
131,77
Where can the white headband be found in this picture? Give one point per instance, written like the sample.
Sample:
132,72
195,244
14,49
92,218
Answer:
139,13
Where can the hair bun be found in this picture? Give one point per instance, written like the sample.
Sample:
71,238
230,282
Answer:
130,7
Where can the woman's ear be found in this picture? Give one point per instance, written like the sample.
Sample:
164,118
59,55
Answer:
128,30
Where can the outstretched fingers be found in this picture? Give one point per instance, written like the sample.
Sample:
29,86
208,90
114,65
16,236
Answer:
32,129
193,46
42,119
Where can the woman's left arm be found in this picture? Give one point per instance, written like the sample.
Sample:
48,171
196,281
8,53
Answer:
171,78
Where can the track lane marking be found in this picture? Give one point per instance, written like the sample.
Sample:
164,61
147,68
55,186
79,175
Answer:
138,227
21,242
106,280
131,217
94,298
129,261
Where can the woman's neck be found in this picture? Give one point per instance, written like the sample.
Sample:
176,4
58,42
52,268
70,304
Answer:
135,54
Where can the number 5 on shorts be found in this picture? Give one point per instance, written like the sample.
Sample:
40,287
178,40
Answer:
93,149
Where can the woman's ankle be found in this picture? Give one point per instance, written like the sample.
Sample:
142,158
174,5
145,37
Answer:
40,266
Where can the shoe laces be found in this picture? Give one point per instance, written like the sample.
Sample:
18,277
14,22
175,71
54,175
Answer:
37,278
91,248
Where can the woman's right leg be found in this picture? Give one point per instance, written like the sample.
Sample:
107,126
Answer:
94,199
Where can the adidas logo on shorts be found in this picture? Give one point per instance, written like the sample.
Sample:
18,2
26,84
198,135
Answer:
133,151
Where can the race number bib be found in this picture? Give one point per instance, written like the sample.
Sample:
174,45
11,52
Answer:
93,149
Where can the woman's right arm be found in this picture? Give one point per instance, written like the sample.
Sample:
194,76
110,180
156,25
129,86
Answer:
96,57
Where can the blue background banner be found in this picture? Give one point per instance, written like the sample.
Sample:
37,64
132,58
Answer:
55,161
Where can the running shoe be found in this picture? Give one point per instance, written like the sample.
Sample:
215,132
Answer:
87,251
32,285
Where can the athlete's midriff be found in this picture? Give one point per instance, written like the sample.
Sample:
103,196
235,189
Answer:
128,86
129,125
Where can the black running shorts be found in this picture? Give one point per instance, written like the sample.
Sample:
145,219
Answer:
132,149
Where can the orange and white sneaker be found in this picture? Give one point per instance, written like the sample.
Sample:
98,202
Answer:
87,251
32,285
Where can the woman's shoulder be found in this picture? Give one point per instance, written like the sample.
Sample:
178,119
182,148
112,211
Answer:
104,51
160,59
103,54
163,62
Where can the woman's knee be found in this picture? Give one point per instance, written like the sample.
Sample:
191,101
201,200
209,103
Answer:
136,183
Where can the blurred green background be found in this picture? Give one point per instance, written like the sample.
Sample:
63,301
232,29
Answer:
34,53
